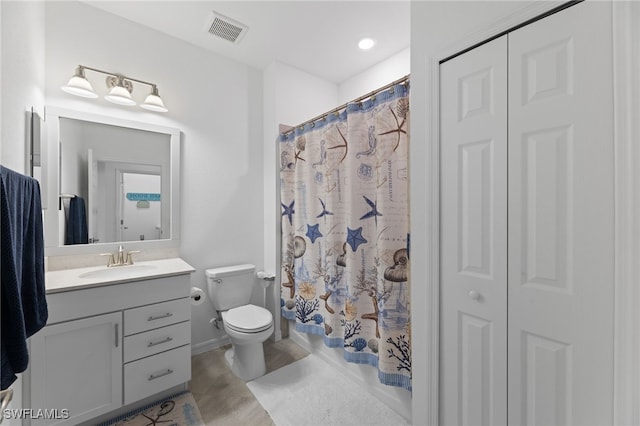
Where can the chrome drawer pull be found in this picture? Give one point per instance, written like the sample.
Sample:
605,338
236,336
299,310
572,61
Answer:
157,376
167,315
159,342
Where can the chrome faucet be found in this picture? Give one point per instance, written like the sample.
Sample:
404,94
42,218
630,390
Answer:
123,258
120,255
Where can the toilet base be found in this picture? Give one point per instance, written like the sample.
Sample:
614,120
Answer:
246,361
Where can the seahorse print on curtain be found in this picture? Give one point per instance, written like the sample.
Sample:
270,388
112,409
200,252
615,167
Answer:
345,232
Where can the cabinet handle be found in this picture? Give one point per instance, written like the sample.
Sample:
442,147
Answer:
167,315
158,375
159,342
117,334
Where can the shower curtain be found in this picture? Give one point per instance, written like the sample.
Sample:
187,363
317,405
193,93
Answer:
345,232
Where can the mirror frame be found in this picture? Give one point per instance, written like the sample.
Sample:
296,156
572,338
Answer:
50,188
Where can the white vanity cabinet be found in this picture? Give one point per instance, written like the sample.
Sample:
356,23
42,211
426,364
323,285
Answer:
107,346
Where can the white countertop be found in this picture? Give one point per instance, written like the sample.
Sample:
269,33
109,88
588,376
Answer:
79,278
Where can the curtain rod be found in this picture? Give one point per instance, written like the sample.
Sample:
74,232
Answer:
341,107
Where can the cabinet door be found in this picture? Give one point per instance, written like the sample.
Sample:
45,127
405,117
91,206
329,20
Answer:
77,366
473,334
561,219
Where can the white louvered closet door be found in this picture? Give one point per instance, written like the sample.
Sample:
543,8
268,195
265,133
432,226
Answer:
527,303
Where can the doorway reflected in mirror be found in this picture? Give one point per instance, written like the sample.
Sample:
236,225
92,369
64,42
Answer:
102,164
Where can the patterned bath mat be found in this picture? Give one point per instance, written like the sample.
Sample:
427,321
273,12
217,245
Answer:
311,392
178,410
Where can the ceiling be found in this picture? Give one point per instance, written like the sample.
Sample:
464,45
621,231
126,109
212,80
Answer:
319,37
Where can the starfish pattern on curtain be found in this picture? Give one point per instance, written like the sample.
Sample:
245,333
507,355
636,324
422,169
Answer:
345,246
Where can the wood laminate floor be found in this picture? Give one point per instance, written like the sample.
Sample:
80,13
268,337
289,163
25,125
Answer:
224,399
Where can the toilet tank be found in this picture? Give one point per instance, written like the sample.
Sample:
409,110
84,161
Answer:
230,286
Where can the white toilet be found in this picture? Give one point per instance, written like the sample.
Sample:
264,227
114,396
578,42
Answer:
247,325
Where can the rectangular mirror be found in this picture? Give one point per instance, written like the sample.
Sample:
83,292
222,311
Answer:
111,181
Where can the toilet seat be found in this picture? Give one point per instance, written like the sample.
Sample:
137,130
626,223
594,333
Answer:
248,319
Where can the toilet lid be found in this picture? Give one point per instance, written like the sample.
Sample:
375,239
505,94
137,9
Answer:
248,317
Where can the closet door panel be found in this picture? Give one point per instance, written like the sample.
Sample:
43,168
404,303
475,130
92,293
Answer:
473,237
561,219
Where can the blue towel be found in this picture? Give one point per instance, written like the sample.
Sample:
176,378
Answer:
24,306
77,223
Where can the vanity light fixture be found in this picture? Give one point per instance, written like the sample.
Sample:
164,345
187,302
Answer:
79,85
120,88
120,91
154,101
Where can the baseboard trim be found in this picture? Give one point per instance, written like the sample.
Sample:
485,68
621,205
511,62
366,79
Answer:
208,345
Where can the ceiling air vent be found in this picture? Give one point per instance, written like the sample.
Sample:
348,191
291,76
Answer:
225,27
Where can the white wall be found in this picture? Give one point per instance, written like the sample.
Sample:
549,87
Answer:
23,75
216,102
391,69
1,80
22,70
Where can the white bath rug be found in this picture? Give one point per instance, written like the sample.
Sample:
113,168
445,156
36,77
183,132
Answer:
311,392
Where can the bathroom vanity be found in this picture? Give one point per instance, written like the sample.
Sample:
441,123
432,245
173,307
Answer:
114,336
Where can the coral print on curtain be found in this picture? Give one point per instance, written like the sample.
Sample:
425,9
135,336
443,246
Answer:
345,224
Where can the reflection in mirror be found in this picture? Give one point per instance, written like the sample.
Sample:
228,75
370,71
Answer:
122,173
140,201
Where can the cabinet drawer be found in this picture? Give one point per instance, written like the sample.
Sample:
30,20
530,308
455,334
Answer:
157,315
156,373
155,341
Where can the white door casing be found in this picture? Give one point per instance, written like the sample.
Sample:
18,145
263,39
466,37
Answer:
626,67
561,223
92,184
474,237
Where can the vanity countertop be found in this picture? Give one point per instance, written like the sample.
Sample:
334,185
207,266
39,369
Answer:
94,276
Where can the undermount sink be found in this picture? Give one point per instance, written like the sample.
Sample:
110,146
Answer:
120,271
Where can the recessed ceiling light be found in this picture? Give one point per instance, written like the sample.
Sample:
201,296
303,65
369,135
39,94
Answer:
366,43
